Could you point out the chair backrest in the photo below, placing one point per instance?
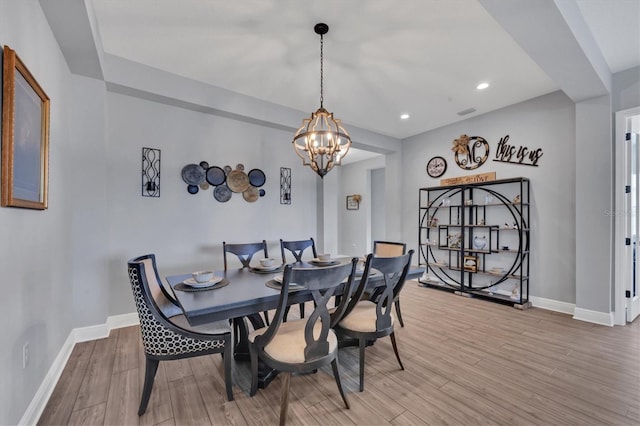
(394, 272)
(155, 327)
(244, 252)
(388, 249)
(322, 283)
(297, 248)
(166, 302)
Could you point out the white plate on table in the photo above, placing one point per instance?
(266, 268)
(195, 284)
(279, 278)
(319, 262)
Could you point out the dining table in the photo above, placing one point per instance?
(243, 294)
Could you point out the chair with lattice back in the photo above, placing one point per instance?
(391, 249)
(166, 333)
(297, 249)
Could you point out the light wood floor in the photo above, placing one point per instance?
(467, 362)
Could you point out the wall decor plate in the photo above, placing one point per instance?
(216, 176)
(222, 193)
(238, 181)
(227, 169)
(193, 174)
(262, 192)
(193, 189)
(204, 186)
(251, 194)
(257, 177)
(204, 165)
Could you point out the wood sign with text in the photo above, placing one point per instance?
(460, 180)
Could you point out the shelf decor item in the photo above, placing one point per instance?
(480, 243)
(25, 137)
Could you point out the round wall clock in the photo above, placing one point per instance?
(436, 166)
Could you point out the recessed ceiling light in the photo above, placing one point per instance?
(482, 86)
(404, 117)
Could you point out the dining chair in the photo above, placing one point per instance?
(367, 320)
(391, 249)
(297, 249)
(244, 252)
(303, 345)
(166, 333)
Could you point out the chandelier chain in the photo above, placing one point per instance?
(321, 70)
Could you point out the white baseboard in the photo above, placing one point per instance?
(77, 335)
(552, 305)
(602, 318)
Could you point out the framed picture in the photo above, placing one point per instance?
(25, 136)
(471, 263)
(353, 202)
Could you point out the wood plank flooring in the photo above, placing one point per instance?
(467, 362)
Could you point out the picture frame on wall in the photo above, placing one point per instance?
(25, 136)
(353, 202)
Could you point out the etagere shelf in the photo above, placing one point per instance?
(475, 239)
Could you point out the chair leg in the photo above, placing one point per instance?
(266, 317)
(362, 343)
(286, 313)
(228, 370)
(149, 375)
(336, 374)
(253, 354)
(395, 349)
(302, 310)
(284, 401)
(399, 313)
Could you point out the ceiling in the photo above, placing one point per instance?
(382, 58)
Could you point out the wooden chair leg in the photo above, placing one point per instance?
(149, 375)
(336, 374)
(399, 313)
(362, 343)
(302, 310)
(254, 370)
(284, 402)
(228, 369)
(395, 349)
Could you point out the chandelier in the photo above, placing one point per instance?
(321, 141)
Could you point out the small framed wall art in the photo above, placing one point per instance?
(353, 202)
(25, 136)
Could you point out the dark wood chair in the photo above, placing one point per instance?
(303, 345)
(244, 252)
(166, 334)
(391, 249)
(367, 320)
(297, 249)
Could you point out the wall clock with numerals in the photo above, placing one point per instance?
(436, 167)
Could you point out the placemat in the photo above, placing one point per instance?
(189, 289)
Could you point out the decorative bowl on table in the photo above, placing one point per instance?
(202, 276)
(324, 257)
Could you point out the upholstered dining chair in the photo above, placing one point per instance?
(391, 249)
(367, 320)
(166, 333)
(297, 249)
(244, 252)
(303, 345)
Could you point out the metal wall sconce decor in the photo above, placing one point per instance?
(150, 172)
(225, 181)
(285, 185)
(471, 152)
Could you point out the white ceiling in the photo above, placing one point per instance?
(382, 57)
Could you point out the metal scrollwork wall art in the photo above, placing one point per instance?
(470, 152)
(225, 181)
(150, 172)
(285, 185)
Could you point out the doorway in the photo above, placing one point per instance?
(627, 216)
